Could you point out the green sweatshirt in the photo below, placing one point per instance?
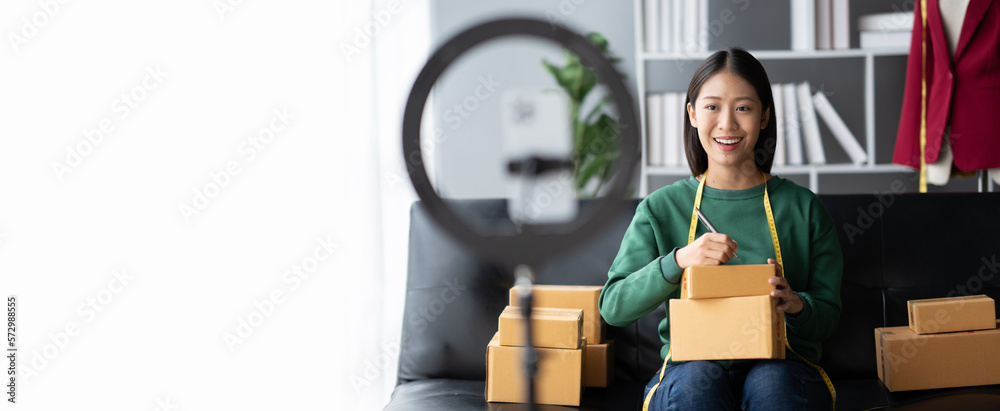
(645, 274)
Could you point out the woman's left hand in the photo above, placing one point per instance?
(788, 301)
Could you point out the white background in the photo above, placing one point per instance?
(330, 175)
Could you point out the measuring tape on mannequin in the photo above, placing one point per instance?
(923, 96)
(777, 255)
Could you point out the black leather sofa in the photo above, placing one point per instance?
(896, 248)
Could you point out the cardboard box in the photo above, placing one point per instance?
(726, 329)
(943, 315)
(559, 380)
(720, 281)
(599, 366)
(583, 297)
(550, 327)
(910, 361)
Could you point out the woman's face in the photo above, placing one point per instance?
(729, 116)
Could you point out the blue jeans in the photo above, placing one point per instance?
(764, 385)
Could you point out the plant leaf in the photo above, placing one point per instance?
(560, 75)
(598, 40)
(610, 130)
(606, 174)
(591, 133)
(553, 70)
(571, 57)
(576, 79)
(590, 168)
(584, 82)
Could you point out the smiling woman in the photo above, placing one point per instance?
(731, 95)
(728, 116)
(729, 139)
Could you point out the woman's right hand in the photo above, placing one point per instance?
(709, 249)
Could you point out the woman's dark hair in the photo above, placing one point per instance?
(741, 63)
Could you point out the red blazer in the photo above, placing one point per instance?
(963, 92)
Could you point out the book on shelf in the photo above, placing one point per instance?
(680, 158)
(820, 24)
(665, 129)
(803, 14)
(810, 127)
(839, 129)
(793, 130)
(651, 25)
(841, 22)
(670, 129)
(675, 26)
(654, 129)
(885, 30)
(779, 110)
(885, 39)
(666, 31)
(703, 27)
(824, 25)
(898, 21)
(691, 23)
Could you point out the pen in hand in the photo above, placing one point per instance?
(704, 220)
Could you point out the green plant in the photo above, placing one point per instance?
(595, 134)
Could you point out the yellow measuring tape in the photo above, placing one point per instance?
(777, 255)
(923, 97)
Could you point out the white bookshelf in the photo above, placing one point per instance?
(813, 171)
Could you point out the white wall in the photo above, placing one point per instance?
(222, 244)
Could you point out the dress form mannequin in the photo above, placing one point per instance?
(952, 16)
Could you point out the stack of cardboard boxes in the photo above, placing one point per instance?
(726, 313)
(950, 342)
(568, 333)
